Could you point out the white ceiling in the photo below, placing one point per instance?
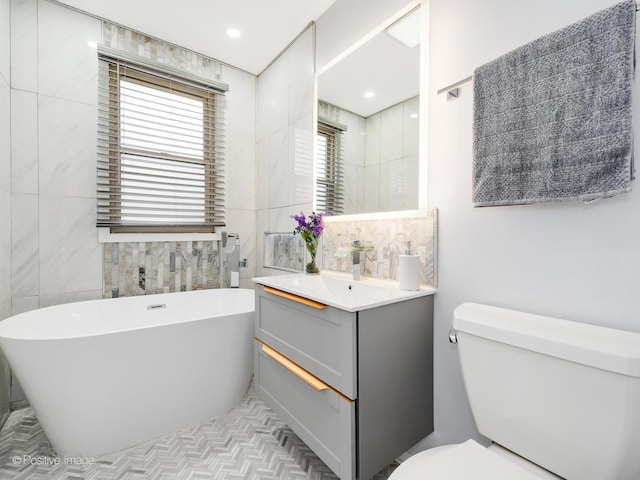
(267, 26)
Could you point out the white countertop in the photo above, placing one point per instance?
(341, 291)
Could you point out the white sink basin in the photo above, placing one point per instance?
(340, 291)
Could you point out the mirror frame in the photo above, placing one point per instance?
(424, 121)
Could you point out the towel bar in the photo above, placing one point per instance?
(454, 86)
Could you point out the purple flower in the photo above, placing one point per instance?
(312, 227)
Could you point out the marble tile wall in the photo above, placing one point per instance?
(5, 162)
(285, 139)
(145, 268)
(240, 195)
(389, 238)
(5, 41)
(55, 253)
(5, 196)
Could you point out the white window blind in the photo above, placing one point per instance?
(160, 150)
(329, 169)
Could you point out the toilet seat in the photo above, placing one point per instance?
(465, 461)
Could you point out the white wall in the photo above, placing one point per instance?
(570, 260)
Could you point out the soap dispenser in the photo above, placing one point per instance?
(409, 270)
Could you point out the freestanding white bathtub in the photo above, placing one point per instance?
(104, 375)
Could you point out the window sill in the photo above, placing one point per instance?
(105, 236)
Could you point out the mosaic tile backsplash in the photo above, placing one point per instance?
(146, 268)
(389, 238)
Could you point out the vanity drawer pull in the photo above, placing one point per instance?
(298, 371)
(295, 298)
(309, 378)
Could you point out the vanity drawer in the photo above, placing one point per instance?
(321, 340)
(321, 417)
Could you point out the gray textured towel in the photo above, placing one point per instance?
(552, 119)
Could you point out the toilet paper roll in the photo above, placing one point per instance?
(409, 272)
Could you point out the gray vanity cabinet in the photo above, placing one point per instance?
(356, 387)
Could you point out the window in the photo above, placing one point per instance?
(329, 168)
(160, 151)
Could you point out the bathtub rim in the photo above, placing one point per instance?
(10, 328)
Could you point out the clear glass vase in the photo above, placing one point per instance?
(312, 268)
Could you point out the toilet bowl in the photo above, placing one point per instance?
(545, 391)
(469, 460)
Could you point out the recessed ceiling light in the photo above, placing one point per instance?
(407, 29)
(92, 44)
(413, 115)
(233, 32)
(369, 94)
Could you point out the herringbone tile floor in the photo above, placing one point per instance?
(250, 443)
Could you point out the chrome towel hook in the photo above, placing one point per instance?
(453, 336)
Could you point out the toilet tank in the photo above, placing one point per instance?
(564, 395)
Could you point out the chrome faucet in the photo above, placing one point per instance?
(354, 251)
(231, 263)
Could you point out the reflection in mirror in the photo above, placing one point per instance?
(368, 125)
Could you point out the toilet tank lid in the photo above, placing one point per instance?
(600, 347)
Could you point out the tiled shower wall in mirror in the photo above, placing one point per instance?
(380, 156)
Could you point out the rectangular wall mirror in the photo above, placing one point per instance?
(367, 143)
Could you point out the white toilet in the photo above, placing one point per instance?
(559, 399)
